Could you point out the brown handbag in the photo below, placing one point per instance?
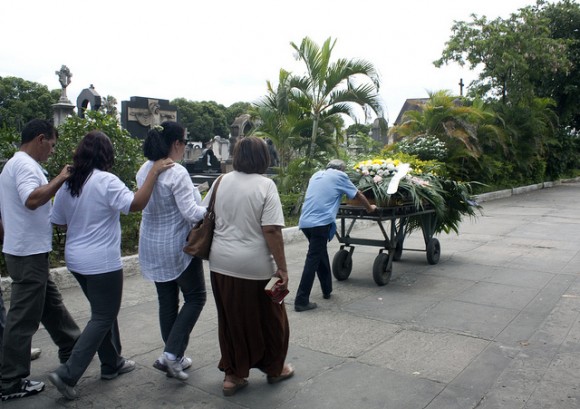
(201, 235)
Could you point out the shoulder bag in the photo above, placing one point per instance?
(201, 235)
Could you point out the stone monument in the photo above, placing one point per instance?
(379, 130)
(241, 126)
(141, 114)
(88, 97)
(63, 108)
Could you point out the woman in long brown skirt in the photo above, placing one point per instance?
(247, 250)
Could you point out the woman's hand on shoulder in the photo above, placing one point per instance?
(161, 165)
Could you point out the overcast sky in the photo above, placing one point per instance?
(225, 51)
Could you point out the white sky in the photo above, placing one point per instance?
(225, 51)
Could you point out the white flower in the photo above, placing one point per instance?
(377, 179)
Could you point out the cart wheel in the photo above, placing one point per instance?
(382, 269)
(398, 251)
(342, 265)
(433, 251)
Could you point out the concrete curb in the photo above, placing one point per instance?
(64, 279)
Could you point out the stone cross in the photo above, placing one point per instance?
(64, 76)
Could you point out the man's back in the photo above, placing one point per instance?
(325, 189)
(26, 231)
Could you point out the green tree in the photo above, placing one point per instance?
(564, 87)
(235, 110)
(332, 89)
(203, 120)
(459, 123)
(109, 106)
(513, 53)
(22, 101)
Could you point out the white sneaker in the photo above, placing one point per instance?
(161, 364)
(26, 388)
(175, 369)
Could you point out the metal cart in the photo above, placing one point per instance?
(402, 220)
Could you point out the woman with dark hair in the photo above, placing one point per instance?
(247, 249)
(88, 206)
(172, 210)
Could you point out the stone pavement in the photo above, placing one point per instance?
(495, 324)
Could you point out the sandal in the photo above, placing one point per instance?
(237, 384)
(283, 376)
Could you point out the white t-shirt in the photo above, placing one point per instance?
(244, 203)
(26, 232)
(93, 238)
(167, 219)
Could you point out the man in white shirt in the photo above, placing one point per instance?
(25, 205)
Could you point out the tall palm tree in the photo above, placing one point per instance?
(331, 89)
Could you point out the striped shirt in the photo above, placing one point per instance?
(167, 219)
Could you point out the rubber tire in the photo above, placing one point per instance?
(433, 251)
(342, 265)
(382, 269)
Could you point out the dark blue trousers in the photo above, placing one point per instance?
(317, 263)
(101, 335)
(176, 325)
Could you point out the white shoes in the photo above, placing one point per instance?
(173, 368)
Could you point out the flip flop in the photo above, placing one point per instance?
(230, 391)
(282, 377)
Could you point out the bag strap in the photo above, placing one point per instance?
(213, 193)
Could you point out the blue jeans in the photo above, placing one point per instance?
(316, 263)
(34, 299)
(176, 325)
(101, 335)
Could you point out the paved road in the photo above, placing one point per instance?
(495, 324)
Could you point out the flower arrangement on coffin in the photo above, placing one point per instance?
(421, 186)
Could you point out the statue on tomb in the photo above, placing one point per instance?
(64, 77)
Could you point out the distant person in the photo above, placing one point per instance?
(25, 205)
(173, 209)
(208, 156)
(247, 249)
(318, 223)
(88, 207)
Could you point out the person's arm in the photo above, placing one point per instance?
(275, 242)
(142, 195)
(42, 194)
(369, 207)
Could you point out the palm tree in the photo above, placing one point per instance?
(465, 128)
(331, 89)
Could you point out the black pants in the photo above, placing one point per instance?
(176, 325)
(34, 299)
(101, 335)
(317, 263)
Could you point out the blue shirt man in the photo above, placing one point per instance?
(317, 222)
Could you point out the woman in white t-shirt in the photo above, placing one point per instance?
(167, 220)
(89, 205)
(247, 249)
